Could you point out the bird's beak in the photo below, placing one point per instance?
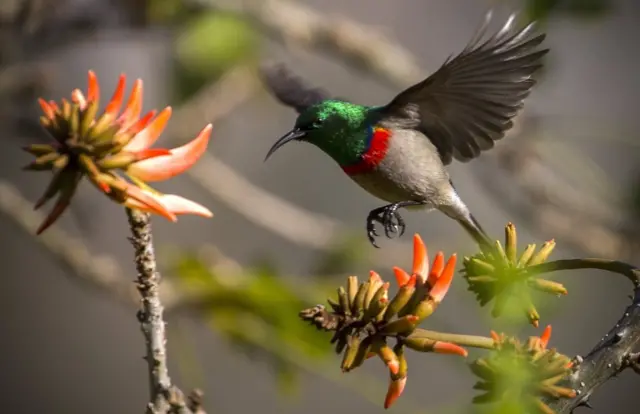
(294, 134)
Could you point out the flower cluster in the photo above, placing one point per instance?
(364, 319)
(96, 147)
(523, 373)
(503, 275)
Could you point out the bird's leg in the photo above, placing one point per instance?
(390, 219)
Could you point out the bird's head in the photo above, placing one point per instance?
(336, 127)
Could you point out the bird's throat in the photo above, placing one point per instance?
(375, 151)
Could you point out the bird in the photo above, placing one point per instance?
(399, 152)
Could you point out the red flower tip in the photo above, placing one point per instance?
(402, 277)
(495, 337)
(115, 102)
(46, 108)
(420, 258)
(412, 318)
(394, 366)
(436, 269)
(93, 88)
(546, 335)
(149, 134)
(374, 277)
(396, 387)
(140, 124)
(449, 348)
(133, 106)
(151, 153)
(442, 285)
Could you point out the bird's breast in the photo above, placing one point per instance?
(410, 170)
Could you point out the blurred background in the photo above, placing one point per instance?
(287, 232)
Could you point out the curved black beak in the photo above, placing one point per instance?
(290, 136)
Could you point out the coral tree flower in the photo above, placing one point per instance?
(364, 319)
(504, 276)
(96, 148)
(523, 373)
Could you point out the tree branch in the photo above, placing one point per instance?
(151, 314)
(606, 360)
(358, 45)
(165, 398)
(614, 352)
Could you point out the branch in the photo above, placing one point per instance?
(150, 316)
(164, 397)
(614, 352)
(358, 45)
(607, 359)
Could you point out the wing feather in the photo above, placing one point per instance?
(470, 101)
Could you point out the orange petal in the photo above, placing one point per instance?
(151, 153)
(149, 135)
(115, 102)
(396, 387)
(495, 336)
(443, 283)
(46, 108)
(449, 348)
(180, 160)
(436, 269)
(54, 106)
(146, 201)
(374, 276)
(133, 107)
(93, 88)
(180, 205)
(78, 98)
(141, 123)
(546, 335)
(402, 277)
(420, 258)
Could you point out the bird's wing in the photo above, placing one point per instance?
(469, 102)
(290, 89)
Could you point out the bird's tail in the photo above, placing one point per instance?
(476, 231)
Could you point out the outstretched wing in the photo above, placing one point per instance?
(470, 101)
(290, 89)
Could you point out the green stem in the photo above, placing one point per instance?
(463, 340)
(631, 272)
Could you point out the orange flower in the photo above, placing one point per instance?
(116, 140)
(438, 281)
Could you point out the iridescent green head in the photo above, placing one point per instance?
(338, 128)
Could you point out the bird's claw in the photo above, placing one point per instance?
(390, 219)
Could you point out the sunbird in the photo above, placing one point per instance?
(398, 152)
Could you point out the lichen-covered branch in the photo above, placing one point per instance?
(607, 359)
(151, 314)
(164, 397)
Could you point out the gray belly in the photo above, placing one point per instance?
(411, 170)
(381, 186)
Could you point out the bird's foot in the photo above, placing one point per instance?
(390, 219)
